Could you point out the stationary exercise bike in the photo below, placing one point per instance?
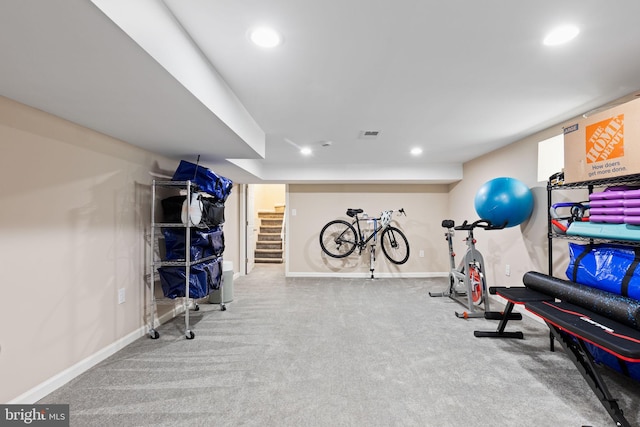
(467, 283)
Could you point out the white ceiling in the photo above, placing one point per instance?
(458, 78)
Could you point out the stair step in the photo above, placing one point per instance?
(270, 230)
(271, 215)
(269, 245)
(271, 222)
(268, 260)
(271, 237)
(268, 253)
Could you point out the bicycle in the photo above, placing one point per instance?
(339, 238)
(468, 278)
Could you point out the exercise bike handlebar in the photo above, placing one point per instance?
(481, 223)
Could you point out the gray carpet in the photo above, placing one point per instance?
(339, 352)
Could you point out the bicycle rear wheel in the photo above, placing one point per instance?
(395, 245)
(338, 239)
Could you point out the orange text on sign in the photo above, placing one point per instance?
(605, 139)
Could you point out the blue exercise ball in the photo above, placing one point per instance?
(504, 200)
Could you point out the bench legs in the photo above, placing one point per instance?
(574, 348)
(504, 318)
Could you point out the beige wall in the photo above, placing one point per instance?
(523, 247)
(75, 211)
(267, 196)
(315, 205)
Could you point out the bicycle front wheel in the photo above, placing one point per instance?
(476, 279)
(395, 245)
(338, 239)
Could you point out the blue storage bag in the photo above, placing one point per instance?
(611, 268)
(629, 369)
(204, 243)
(215, 238)
(203, 278)
(207, 180)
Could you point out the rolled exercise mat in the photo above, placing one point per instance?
(607, 211)
(622, 309)
(606, 203)
(632, 220)
(631, 211)
(632, 194)
(609, 219)
(607, 194)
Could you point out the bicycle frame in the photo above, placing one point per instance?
(361, 241)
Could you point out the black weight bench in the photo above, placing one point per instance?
(573, 326)
(514, 295)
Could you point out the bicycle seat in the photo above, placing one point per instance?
(353, 212)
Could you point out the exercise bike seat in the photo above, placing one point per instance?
(448, 223)
(353, 212)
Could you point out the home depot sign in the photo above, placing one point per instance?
(604, 145)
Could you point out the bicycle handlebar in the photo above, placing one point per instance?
(400, 212)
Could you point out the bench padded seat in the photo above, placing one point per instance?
(607, 334)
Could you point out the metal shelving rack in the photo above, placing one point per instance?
(155, 261)
(589, 185)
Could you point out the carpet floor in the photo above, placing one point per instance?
(339, 352)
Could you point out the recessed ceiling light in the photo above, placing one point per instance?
(416, 151)
(561, 35)
(265, 37)
(305, 151)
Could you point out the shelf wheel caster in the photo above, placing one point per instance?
(153, 334)
(223, 307)
(196, 308)
(190, 335)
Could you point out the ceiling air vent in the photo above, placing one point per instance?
(368, 134)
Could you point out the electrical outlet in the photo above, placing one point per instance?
(294, 212)
(421, 253)
(121, 296)
(507, 270)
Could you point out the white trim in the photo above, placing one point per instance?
(60, 379)
(367, 275)
(285, 241)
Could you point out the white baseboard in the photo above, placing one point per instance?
(367, 275)
(58, 380)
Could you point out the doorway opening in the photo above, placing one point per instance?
(266, 216)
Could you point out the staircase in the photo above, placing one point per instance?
(269, 247)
